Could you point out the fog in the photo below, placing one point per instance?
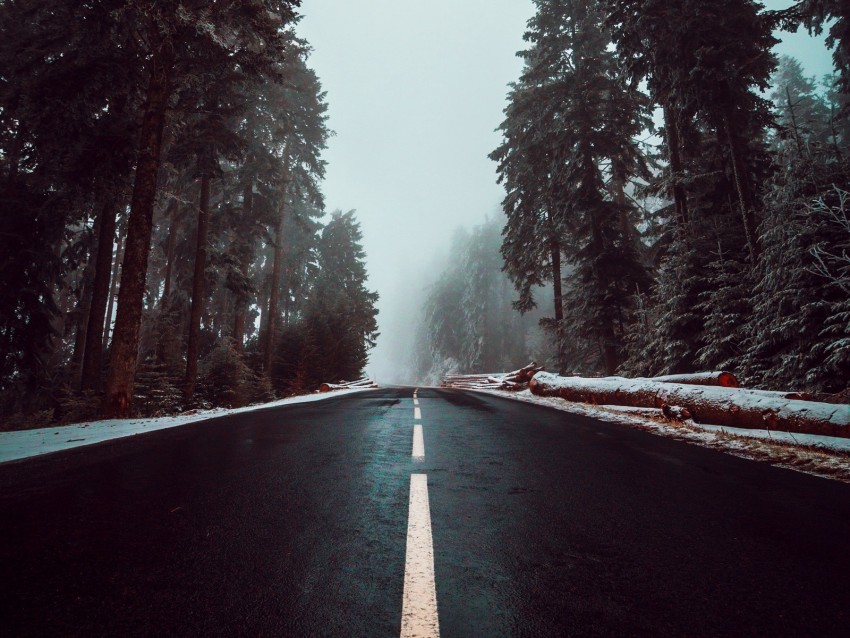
(415, 91)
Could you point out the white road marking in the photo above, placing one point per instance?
(418, 443)
(419, 607)
(417, 413)
(415, 401)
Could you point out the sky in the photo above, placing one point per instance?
(415, 90)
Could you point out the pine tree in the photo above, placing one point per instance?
(592, 118)
(179, 43)
(304, 133)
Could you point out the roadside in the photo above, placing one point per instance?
(824, 456)
(20, 444)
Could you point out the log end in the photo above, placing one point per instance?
(728, 380)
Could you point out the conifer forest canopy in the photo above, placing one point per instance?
(675, 198)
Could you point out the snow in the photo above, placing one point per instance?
(824, 456)
(26, 443)
(736, 404)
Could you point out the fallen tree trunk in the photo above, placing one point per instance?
(348, 385)
(732, 407)
(720, 378)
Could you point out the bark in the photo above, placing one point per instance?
(732, 407)
(121, 378)
(170, 248)
(113, 292)
(93, 355)
(618, 193)
(746, 200)
(277, 269)
(558, 294)
(674, 150)
(610, 355)
(198, 281)
(240, 309)
(83, 310)
(723, 379)
(794, 127)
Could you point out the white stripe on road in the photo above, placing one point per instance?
(415, 401)
(417, 413)
(419, 606)
(418, 443)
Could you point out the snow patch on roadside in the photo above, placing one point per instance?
(25, 443)
(824, 456)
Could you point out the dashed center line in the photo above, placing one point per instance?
(415, 401)
(417, 413)
(418, 443)
(419, 608)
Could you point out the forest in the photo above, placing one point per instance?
(163, 238)
(676, 199)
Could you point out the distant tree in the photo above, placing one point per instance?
(816, 14)
(803, 116)
(338, 325)
(468, 321)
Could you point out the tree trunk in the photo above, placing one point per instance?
(277, 269)
(746, 200)
(125, 340)
(170, 248)
(794, 126)
(198, 280)
(557, 286)
(274, 293)
(674, 150)
(240, 305)
(721, 378)
(93, 356)
(113, 292)
(732, 407)
(83, 309)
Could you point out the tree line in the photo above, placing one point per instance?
(161, 228)
(719, 238)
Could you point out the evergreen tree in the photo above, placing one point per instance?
(468, 321)
(178, 43)
(592, 119)
(803, 117)
(338, 326)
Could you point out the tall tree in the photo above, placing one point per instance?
(303, 133)
(177, 43)
(590, 119)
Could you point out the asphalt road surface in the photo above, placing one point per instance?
(295, 521)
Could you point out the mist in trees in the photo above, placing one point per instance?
(468, 320)
(161, 218)
(717, 239)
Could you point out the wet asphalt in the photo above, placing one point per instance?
(292, 521)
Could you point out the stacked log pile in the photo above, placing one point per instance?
(716, 403)
(512, 381)
(348, 385)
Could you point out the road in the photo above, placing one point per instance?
(293, 521)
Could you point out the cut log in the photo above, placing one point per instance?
(513, 381)
(723, 379)
(348, 385)
(732, 407)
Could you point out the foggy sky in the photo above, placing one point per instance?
(416, 89)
